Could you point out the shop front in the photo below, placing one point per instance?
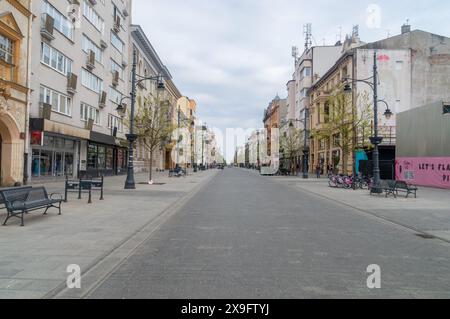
(105, 156)
(53, 156)
(55, 150)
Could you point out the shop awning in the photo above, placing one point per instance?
(102, 138)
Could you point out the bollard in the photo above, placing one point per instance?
(79, 189)
(65, 190)
(101, 190)
(90, 193)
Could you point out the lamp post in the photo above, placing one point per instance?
(258, 158)
(306, 146)
(375, 140)
(131, 137)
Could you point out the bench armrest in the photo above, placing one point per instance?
(57, 195)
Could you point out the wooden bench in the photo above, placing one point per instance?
(21, 202)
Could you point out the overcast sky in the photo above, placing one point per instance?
(234, 56)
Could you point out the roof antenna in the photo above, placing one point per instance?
(307, 32)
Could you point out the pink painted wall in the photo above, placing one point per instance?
(424, 171)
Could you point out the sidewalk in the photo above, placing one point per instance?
(34, 258)
(428, 214)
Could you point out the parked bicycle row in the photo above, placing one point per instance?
(349, 182)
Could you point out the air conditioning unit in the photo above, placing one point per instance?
(47, 27)
(116, 26)
(102, 101)
(90, 61)
(89, 124)
(116, 77)
(72, 80)
(74, 2)
(93, 2)
(125, 12)
(46, 111)
(103, 44)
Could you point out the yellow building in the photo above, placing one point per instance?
(15, 21)
(185, 119)
(326, 152)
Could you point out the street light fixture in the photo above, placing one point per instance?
(131, 137)
(375, 140)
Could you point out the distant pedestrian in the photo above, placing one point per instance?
(318, 169)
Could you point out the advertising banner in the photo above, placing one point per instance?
(424, 171)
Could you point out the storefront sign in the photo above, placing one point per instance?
(37, 138)
(424, 171)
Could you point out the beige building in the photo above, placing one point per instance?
(15, 25)
(150, 65)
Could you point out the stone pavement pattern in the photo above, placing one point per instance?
(34, 258)
(247, 236)
(429, 213)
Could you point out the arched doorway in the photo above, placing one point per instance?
(11, 151)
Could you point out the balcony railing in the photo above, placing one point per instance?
(389, 135)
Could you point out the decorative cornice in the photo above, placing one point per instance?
(19, 6)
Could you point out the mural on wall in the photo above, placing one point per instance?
(424, 171)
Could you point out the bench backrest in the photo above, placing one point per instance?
(391, 183)
(15, 189)
(12, 195)
(401, 185)
(35, 194)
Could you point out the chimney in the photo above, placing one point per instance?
(406, 28)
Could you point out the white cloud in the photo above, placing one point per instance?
(233, 56)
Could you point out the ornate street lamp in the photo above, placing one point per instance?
(131, 137)
(375, 140)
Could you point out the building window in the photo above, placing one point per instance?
(88, 112)
(306, 72)
(116, 67)
(62, 24)
(91, 81)
(55, 59)
(114, 121)
(116, 42)
(88, 44)
(118, 13)
(93, 17)
(6, 49)
(446, 109)
(114, 95)
(60, 103)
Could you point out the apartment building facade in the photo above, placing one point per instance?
(394, 89)
(15, 26)
(272, 124)
(80, 76)
(149, 64)
(309, 67)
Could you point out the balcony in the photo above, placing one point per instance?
(389, 135)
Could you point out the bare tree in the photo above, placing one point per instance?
(347, 126)
(153, 125)
(292, 145)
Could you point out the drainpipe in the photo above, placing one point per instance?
(28, 104)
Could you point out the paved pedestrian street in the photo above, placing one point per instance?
(231, 234)
(246, 236)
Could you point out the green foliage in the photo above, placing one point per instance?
(346, 127)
